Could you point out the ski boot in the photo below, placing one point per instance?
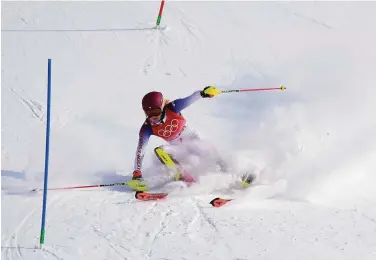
(137, 175)
(247, 179)
(137, 183)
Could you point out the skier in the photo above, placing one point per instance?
(164, 119)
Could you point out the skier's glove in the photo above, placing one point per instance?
(209, 92)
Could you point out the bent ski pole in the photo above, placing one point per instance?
(282, 87)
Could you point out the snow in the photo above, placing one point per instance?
(313, 146)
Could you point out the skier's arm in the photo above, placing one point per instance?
(143, 140)
(179, 104)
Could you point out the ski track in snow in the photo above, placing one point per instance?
(33, 106)
(190, 42)
(152, 237)
(14, 248)
(12, 244)
(206, 219)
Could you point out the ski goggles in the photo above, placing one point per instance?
(153, 112)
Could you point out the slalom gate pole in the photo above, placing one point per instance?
(253, 89)
(160, 13)
(42, 230)
(85, 186)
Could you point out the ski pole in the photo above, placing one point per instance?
(84, 187)
(282, 87)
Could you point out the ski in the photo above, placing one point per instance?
(145, 196)
(150, 196)
(246, 182)
(218, 202)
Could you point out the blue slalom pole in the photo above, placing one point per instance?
(42, 230)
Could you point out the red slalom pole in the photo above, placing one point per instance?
(160, 12)
(253, 89)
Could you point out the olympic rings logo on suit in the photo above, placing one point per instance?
(169, 129)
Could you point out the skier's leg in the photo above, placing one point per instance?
(198, 146)
(172, 164)
(206, 149)
(168, 161)
(247, 179)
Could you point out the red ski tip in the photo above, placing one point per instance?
(218, 202)
(142, 195)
